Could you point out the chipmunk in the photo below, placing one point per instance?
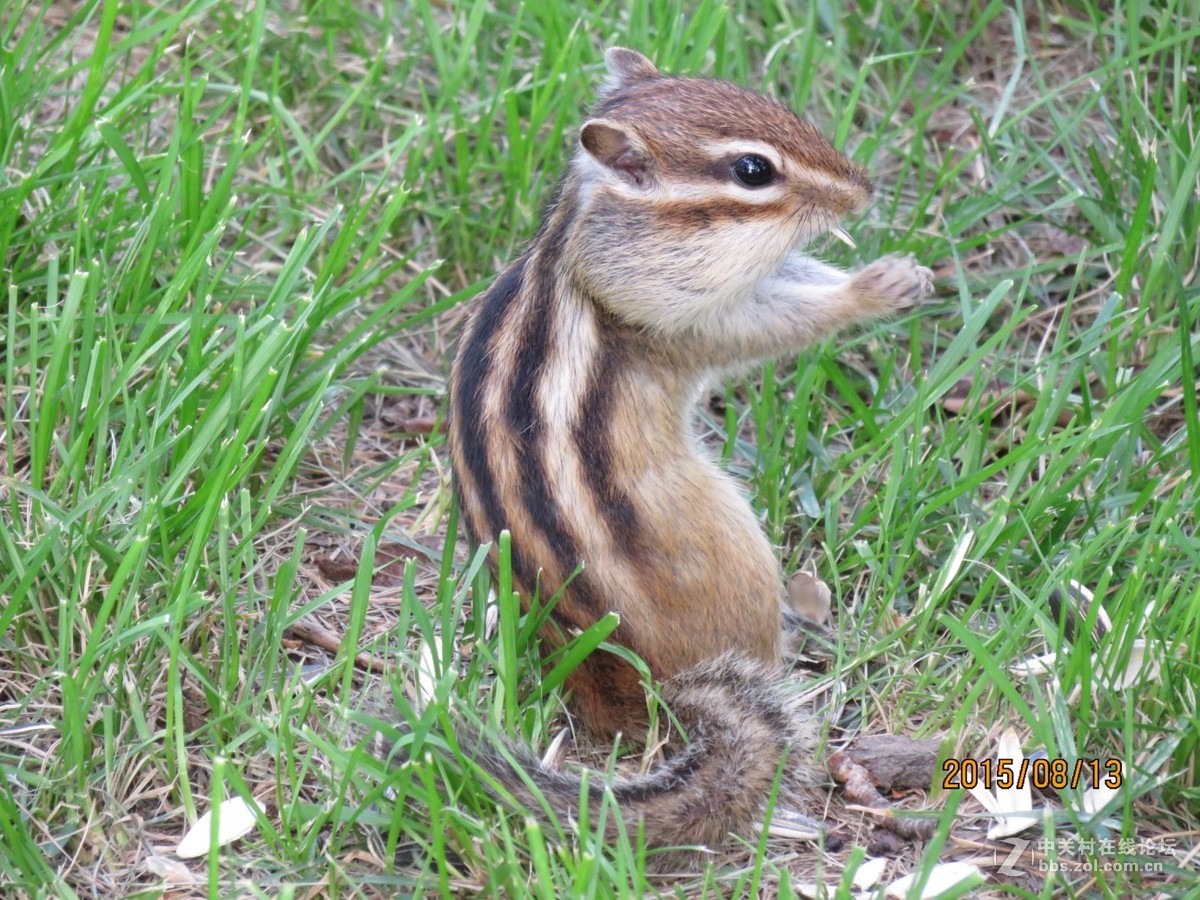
(668, 257)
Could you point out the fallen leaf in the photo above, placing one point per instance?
(1002, 398)
(1046, 241)
(421, 425)
(336, 567)
(391, 558)
(364, 856)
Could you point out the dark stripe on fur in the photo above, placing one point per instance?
(677, 772)
(593, 440)
(754, 688)
(528, 427)
(694, 215)
(741, 725)
(473, 368)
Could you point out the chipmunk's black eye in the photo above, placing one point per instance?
(753, 170)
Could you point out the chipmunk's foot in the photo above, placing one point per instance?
(893, 284)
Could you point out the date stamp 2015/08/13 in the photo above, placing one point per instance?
(1041, 773)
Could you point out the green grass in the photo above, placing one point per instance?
(235, 245)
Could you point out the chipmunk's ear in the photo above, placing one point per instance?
(625, 67)
(618, 149)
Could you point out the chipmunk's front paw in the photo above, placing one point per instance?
(893, 284)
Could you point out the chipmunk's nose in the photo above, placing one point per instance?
(858, 177)
(857, 191)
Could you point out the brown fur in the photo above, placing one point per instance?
(571, 426)
(743, 725)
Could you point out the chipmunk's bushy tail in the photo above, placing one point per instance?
(741, 722)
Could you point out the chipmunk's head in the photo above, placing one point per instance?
(692, 191)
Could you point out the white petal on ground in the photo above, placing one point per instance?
(426, 676)
(985, 797)
(1013, 807)
(1097, 796)
(1103, 622)
(554, 756)
(173, 873)
(491, 616)
(868, 874)
(1017, 798)
(791, 825)
(949, 571)
(815, 891)
(1142, 664)
(1035, 665)
(237, 818)
(959, 877)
